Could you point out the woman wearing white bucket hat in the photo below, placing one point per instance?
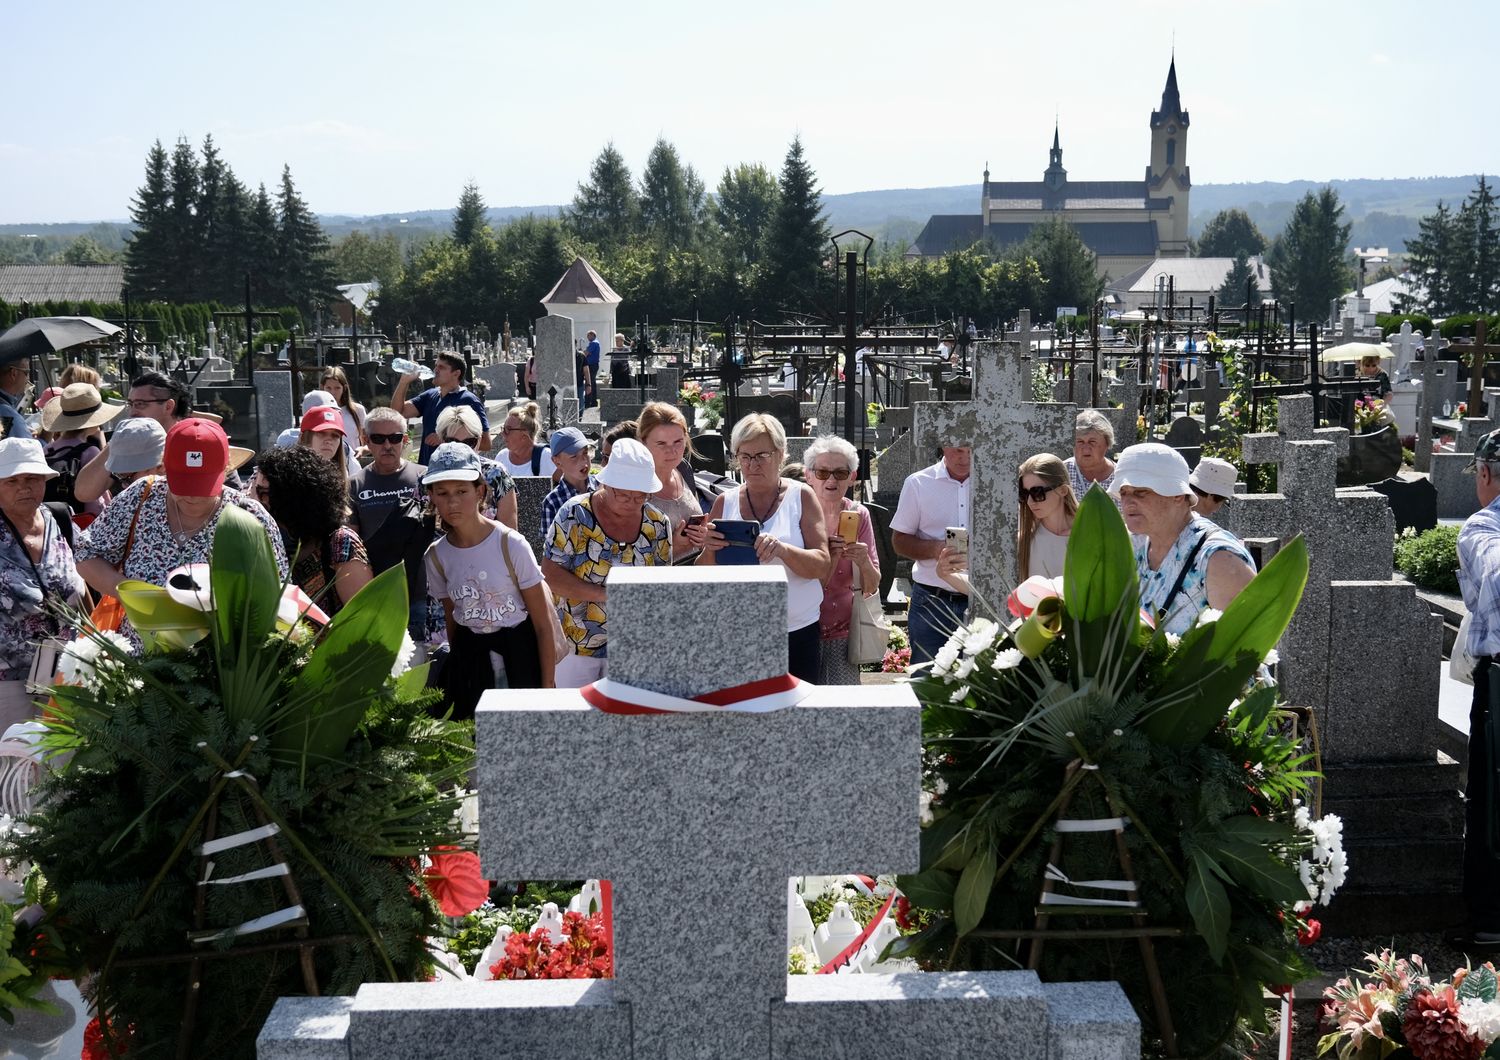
(1186, 563)
(1213, 482)
(36, 565)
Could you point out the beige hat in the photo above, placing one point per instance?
(78, 406)
(1214, 477)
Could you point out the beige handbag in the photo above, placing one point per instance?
(869, 631)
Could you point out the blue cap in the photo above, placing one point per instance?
(453, 462)
(568, 440)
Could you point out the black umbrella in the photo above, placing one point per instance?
(42, 335)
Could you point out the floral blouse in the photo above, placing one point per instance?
(308, 570)
(1192, 599)
(24, 621)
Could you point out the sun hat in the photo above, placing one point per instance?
(196, 454)
(1487, 451)
(323, 418)
(630, 468)
(137, 445)
(315, 399)
(1214, 477)
(1152, 466)
(239, 456)
(47, 395)
(78, 406)
(453, 462)
(566, 441)
(23, 456)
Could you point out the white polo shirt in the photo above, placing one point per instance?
(931, 501)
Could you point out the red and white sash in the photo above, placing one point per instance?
(756, 697)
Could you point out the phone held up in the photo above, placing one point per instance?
(958, 539)
(849, 526)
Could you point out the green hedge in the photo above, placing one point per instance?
(1390, 323)
(1461, 324)
(1430, 558)
(162, 319)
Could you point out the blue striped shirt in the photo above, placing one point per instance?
(1479, 578)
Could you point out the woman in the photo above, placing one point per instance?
(830, 464)
(595, 532)
(458, 423)
(75, 421)
(792, 532)
(335, 382)
(623, 429)
(1213, 481)
(1377, 384)
(322, 431)
(309, 499)
(489, 585)
(1186, 563)
(523, 454)
(663, 430)
(156, 526)
(1047, 510)
(36, 566)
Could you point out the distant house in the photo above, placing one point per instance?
(61, 283)
(1126, 223)
(1384, 295)
(1193, 280)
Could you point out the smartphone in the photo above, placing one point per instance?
(849, 527)
(958, 539)
(694, 520)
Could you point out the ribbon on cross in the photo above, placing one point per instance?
(755, 697)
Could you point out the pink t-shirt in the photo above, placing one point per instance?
(838, 591)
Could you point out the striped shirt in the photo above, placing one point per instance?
(1479, 578)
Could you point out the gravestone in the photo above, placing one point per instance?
(1405, 347)
(1211, 392)
(1455, 489)
(668, 386)
(531, 491)
(273, 403)
(671, 809)
(1429, 404)
(499, 380)
(1127, 391)
(557, 365)
(1002, 429)
(617, 405)
(1077, 389)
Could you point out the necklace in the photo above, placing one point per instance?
(775, 501)
(181, 533)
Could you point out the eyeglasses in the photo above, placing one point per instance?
(823, 474)
(387, 439)
(470, 442)
(747, 459)
(1035, 494)
(137, 404)
(512, 430)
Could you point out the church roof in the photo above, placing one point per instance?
(947, 231)
(1188, 274)
(61, 283)
(1073, 189)
(581, 285)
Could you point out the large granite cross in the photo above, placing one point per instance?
(557, 364)
(1211, 392)
(1127, 391)
(1003, 428)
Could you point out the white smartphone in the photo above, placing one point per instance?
(958, 539)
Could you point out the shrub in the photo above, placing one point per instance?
(1390, 323)
(1430, 558)
(1460, 325)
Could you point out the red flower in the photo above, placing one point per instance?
(1310, 934)
(1433, 1030)
(453, 879)
(93, 1042)
(582, 954)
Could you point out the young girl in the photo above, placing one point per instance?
(490, 586)
(337, 383)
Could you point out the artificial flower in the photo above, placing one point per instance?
(1434, 1029)
(452, 878)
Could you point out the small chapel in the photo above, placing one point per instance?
(1126, 223)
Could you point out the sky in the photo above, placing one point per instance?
(384, 106)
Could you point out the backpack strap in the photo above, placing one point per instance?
(62, 515)
(536, 459)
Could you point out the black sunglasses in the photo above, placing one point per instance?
(823, 474)
(1035, 493)
(387, 439)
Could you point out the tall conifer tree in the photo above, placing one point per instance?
(606, 210)
(1308, 261)
(182, 224)
(470, 217)
(797, 239)
(147, 250)
(303, 265)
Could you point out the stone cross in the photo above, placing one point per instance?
(1127, 391)
(1002, 428)
(1211, 392)
(1428, 405)
(1479, 350)
(557, 364)
(1404, 346)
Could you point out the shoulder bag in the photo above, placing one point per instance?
(108, 613)
(869, 630)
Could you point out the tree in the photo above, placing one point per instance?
(303, 267)
(182, 225)
(228, 246)
(1479, 287)
(147, 252)
(742, 210)
(359, 257)
(470, 217)
(1432, 264)
(1070, 268)
(797, 239)
(1307, 261)
(667, 208)
(261, 241)
(605, 211)
(86, 251)
(1229, 233)
(1240, 283)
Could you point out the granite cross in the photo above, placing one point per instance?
(557, 364)
(1211, 392)
(1404, 345)
(1002, 428)
(1428, 403)
(1127, 391)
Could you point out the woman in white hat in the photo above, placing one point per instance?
(1213, 481)
(1186, 563)
(73, 420)
(36, 565)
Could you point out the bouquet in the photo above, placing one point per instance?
(1401, 1007)
(1371, 414)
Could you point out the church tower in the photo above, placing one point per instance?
(1055, 180)
(1167, 176)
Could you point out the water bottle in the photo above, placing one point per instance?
(406, 366)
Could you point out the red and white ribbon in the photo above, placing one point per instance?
(756, 697)
(851, 951)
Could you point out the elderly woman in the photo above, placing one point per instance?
(522, 453)
(36, 566)
(156, 526)
(663, 430)
(829, 466)
(309, 499)
(1213, 482)
(459, 423)
(792, 533)
(1047, 510)
(1093, 438)
(1186, 563)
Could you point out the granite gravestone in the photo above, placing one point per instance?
(531, 491)
(1127, 391)
(273, 406)
(557, 365)
(1455, 488)
(1211, 392)
(617, 405)
(672, 807)
(1429, 404)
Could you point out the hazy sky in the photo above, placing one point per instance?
(382, 106)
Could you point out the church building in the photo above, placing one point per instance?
(1126, 223)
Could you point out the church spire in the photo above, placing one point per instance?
(1056, 176)
(1171, 102)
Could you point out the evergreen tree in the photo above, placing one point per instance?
(605, 211)
(667, 213)
(1070, 268)
(1240, 285)
(1228, 234)
(1431, 262)
(1480, 237)
(471, 216)
(228, 246)
(209, 218)
(260, 251)
(182, 225)
(797, 239)
(548, 260)
(303, 267)
(147, 251)
(1308, 262)
(742, 211)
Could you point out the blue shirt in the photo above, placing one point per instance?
(593, 358)
(1479, 578)
(430, 404)
(561, 494)
(10, 416)
(1192, 599)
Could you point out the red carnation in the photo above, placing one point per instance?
(1310, 934)
(93, 1042)
(1434, 1031)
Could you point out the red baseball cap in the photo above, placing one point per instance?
(323, 418)
(195, 456)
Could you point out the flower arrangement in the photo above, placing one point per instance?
(308, 756)
(1371, 414)
(1078, 706)
(1462, 410)
(873, 413)
(1401, 1007)
(583, 952)
(897, 653)
(709, 402)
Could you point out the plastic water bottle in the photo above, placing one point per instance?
(406, 366)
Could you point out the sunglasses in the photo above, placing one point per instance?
(387, 439)
(1036, 494)
(823, 474)
(470, 442)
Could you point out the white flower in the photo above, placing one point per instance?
(1273, 656)
(1482, 1018)
(1209, 614)
(981, 634)
(84, 657)
(404, 655)
(959, 694)
(924, 808)
(1173, 640)
(946, 656)
(1008, 659)
(965, 667)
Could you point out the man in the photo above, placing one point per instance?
(1479, 578)
(386, 511)
(1093, 438)
(447, 390)
(571, 458)
(153, 396)
(591, 363)
(15, 377)
(932, 500)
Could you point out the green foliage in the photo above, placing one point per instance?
(1455, 257)
(469, 217)
(1461, 325)
(1390, 323)
(671, 198)
(1067, 262)
(1239, 416)
(1240, 286)
(797, 239)
(1307, 260)
(1430, 559)
(1230, 234)
(360, 257)
(742, 209)
(606, 209)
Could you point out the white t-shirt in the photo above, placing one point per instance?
(523, 469)
(351, 425)
(477, 579)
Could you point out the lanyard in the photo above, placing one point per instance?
(21, 544)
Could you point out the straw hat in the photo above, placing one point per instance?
(78, 406)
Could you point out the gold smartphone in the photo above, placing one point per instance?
(849, 527)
